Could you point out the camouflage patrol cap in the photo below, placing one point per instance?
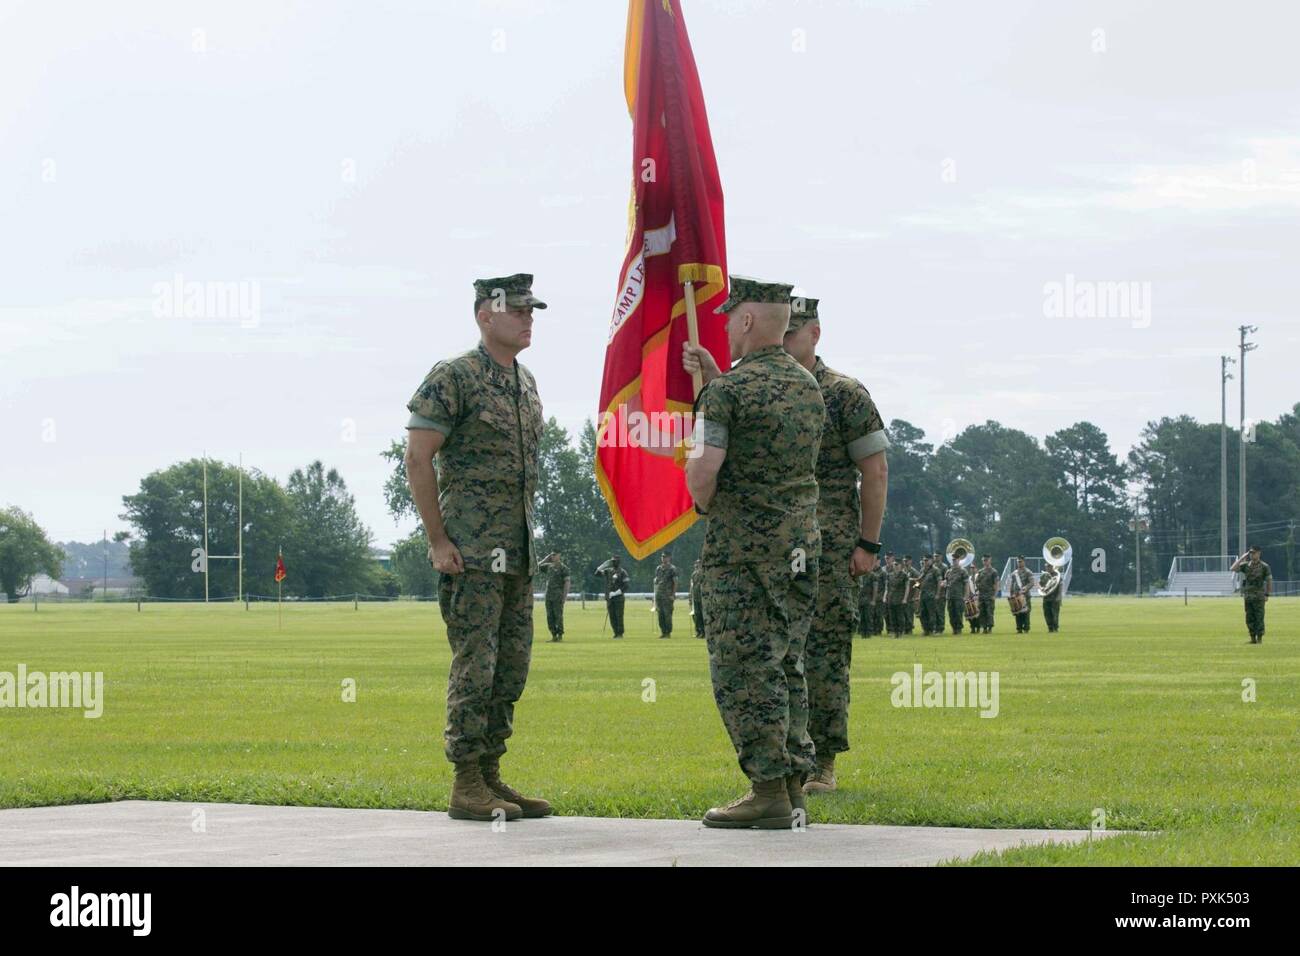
(802, 311)
(516, 289)
(746, 289)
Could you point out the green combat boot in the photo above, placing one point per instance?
(532, 807)
(472, 800)
(823, 781)
(766, 807)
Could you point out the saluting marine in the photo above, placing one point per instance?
(1256, 586)
(557, 590)
(480, 415)
(617, 582)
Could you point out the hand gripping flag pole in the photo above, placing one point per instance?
(673, 275)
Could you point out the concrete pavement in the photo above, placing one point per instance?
(153, 833)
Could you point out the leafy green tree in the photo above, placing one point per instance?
(25, 552)
(330, 547)
(410, 563)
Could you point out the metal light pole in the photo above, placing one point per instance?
(1224, 375)
(1241, 490)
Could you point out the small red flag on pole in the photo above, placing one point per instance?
(279, 584)
(674, 273)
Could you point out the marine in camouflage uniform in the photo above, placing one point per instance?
(909, 605)
(956, 580)
(897, 577)
(1052, 601)
(931, 615)
(617, 582)
(697, 599)
(665, 594)
(1022, 582)
(557, 590)
(986, 588)
(854, 433)
(1256, 586)
(866, 604)
(760, 425)
(881, 580)
(488, 418)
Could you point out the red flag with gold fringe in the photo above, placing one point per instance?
(675, 247)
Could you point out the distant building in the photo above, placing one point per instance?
(383, 557)
(95, 587)
(44, 584)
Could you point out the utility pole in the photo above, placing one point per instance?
(106, 564)
(1241, 491)
(1224, 375)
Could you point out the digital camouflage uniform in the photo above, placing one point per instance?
(557, 589)
(881, 584)
(1254, 590)
(931, 614)
(854, 431)
(955, 581)
(1051, 602)
(1022, 581)
(866, 605)
(986, 588)
(910, 605)
(697, 599)
(487, 474)
(617, 582)
(665, 596)
(896, 587)
(761, 552)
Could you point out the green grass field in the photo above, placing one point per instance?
(1135, 708)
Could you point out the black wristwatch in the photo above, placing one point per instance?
(871, 547)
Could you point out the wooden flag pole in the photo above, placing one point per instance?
(693, 330)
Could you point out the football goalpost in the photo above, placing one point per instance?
(202, 553)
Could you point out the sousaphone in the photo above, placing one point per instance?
(1058, 554)
(961, 553)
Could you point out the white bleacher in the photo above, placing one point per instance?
(1200, 576)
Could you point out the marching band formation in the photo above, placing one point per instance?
(895, 594)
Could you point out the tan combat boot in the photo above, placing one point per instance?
(766, 807)
(532, 807)
(794, 790)
(823, 781)
(472, 800)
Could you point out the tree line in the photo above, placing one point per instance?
(997, 486)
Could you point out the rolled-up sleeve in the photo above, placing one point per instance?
(714, 413)
(436, 403)
(863, 427)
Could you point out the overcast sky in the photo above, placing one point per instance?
(927, 169)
